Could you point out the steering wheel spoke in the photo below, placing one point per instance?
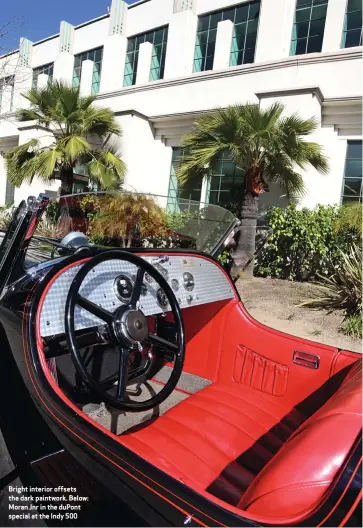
(94, 309)
(127, 329)
(162, 343)
(136, 292)
(122, 373)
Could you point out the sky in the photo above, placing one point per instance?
(38, 19)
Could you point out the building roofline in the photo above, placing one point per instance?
(313, 90)
(56, 35)
(135, 4)
(83, 24)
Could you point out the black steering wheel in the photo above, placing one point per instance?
(127, 328)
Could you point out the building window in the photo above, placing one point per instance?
(245, 18)
(94, 55)
(47, 69)
(224, 182)
(352, 185)
(190, 191)
(158, 38)
(352, 33)
(6, 92)
(309, 24)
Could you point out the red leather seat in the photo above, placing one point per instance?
(247, 448)
(297, 478)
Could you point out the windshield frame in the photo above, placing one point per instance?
(204, 226)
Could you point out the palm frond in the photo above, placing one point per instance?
(297, 126)
(17, 161)
(107, 168)
(99, 122)
(45, 163)
(74, 122)
(309, 153)
(73, 147)
(262, 139)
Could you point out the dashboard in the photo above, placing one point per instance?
(193, 279)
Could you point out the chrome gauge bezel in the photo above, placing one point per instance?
(158, 292)
(187, 277)
(117, 280)
(175, 284)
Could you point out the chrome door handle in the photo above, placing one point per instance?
(306, 360)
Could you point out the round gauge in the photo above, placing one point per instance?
(161, 298)
(123, 287)
(188, 281)
(175, 284)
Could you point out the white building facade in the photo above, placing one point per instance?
(159, 64)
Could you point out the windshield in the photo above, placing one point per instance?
(131, 220)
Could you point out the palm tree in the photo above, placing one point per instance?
(75, 125)
(266, 145)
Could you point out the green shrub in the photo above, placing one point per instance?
(350, 217)
(304, 243)
(343, 289)
(226, 260)
(352, 326)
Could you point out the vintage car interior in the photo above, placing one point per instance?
(156, 349)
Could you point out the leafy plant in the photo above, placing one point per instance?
(343, 289)
(74, 126)
(6, 214)
(303, 244)
(225, 259)
(350, 218)
(48, 228)
(264, 143)
(178, 220)
(352, 326)
(125, 218)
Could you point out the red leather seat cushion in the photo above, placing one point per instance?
(200, 441)
(229, 439)
(295, 480)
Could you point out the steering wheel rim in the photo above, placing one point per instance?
(119, 336)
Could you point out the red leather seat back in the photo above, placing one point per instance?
(299, 475)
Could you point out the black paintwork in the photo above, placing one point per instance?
(50, 444)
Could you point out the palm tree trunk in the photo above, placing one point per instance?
(243, 255)
(66, 178)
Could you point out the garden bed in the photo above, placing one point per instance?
(274, 302)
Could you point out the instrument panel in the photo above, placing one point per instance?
(193, 279)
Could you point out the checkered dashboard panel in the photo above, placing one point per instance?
(209, 284)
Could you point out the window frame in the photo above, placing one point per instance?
(135, 53)
(3, 83)
(205, 182)
(98, 83)
(342, 195)
(237, 51)
(294, 41)
(346, 31)
(41, 69)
